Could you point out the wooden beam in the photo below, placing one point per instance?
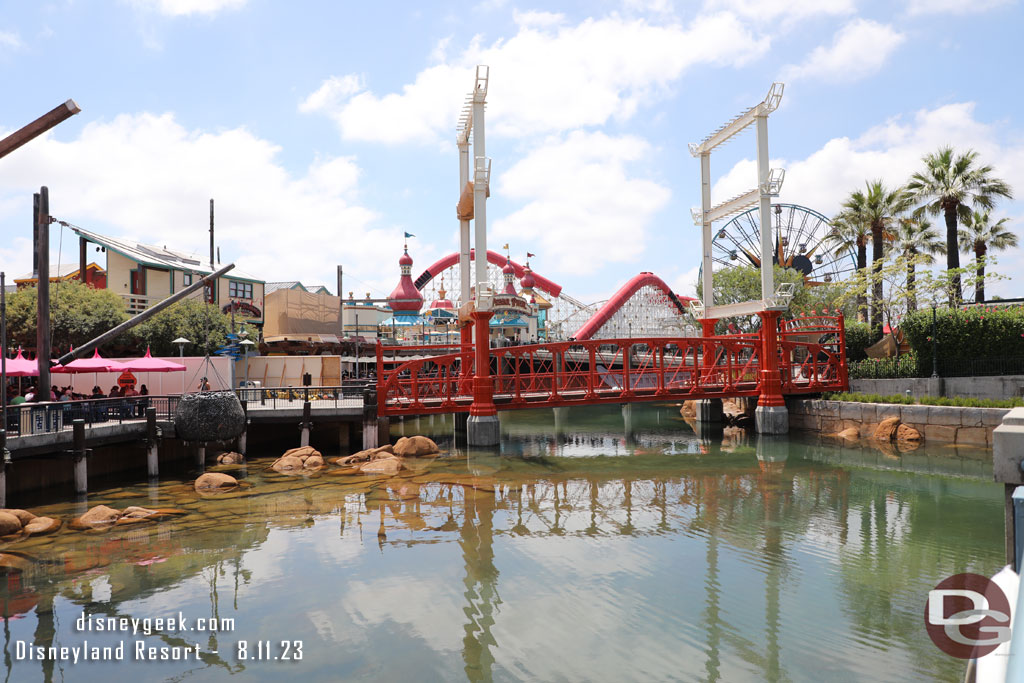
(38, 127)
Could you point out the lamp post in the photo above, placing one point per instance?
(935, 348)
(246, 343)
(181, 341)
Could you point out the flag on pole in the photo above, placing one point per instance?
(408, 235)
(505, 247)
(529, 255)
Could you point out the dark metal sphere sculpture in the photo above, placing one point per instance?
(209, 416)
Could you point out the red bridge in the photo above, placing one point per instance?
(809, 357)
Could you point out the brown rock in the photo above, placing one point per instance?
(14, 563)
(887, 429)
(42, 525)
(689, 409)
(287, 463)
(9, 524)
(101, 514)
(849, 434)
(215, 480)
(382, 466)
(302, 452)
(907, 434)
(136, 512)
(415, 446)
(24, 516)
(313, 462)
(231, 458)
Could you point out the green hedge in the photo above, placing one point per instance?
(905, 365)
(977, 332)
(925, 400)
(858, 338)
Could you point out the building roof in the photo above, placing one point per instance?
(270, 287)
(159, 257)
(59, 270)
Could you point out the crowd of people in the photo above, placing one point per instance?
(63, 394)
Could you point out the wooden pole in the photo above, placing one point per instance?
(78, 454)
(42, 219)
(82, 244)
(152, 454)
(38, 127)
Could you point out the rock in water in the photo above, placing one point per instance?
(101, 514)
(231, 458)
(212, 481)
(9, 524)
(42, 525)
(209, 416)
(415, 446)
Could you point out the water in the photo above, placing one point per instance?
(597, 546)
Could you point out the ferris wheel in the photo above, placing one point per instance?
(801, 239)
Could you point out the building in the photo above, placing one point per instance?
(63, 272)
(144, 275)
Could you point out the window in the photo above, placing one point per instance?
(186, 279)
(239, 290)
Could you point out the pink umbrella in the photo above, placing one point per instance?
(96, 364)
(149, 364)
(19, 366)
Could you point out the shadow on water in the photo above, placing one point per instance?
(586, 538)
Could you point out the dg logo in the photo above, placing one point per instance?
(967, 616)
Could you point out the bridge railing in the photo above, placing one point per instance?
(813, 349)
(56, 416)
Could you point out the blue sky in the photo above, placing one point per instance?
(324, 130)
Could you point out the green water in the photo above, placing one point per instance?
(595, 546)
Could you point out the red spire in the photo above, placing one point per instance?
(509, 273)
(405, 298)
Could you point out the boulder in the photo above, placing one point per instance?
(849, 434)
(415, 446)
(9, 524)
(42, 525)
(689, 409)
(24, 516)
(101, 514)
(313, 462)
(209, 416)
(302, 452)
(136, 512)
(886, 429)
(231, 458)
(907, 434)
(287, 463)
(366, 455)
(389, 466)
(215, 480)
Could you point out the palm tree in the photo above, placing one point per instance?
(948, 184)
(979, 235)
(876, 208)
(916, 240)
(848, 234)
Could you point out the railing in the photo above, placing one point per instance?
(137, 303)
(52, 417)
(911, 365)
(318, 396)
(811, 360)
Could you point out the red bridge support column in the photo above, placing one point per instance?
(482, 428)
(709, 410)
(771, 416)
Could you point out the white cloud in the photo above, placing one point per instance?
(915, 7)
(792, 10)
(332, 93)
(580, 200)
(146, 177)
(178, 8)
(859, 49)
(548, 77)
(10, 40)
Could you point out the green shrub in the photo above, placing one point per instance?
(974, 333)
(858, 338)
(885, 368)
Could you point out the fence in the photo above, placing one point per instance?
(48, 418)
(318, 396)
(909, 365)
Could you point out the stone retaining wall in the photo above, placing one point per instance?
(1000, 387)
(945, 424)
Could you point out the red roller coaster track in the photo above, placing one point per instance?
(619, 299)
(492, 257)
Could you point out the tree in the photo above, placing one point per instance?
(202, 324)
(743, 283)
(848, 234)
(979, 235)
(78, 313)
(947, 185)
(916, 237)
(876, 209)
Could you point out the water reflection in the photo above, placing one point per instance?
(589, 538)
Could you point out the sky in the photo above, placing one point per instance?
(326, 130)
